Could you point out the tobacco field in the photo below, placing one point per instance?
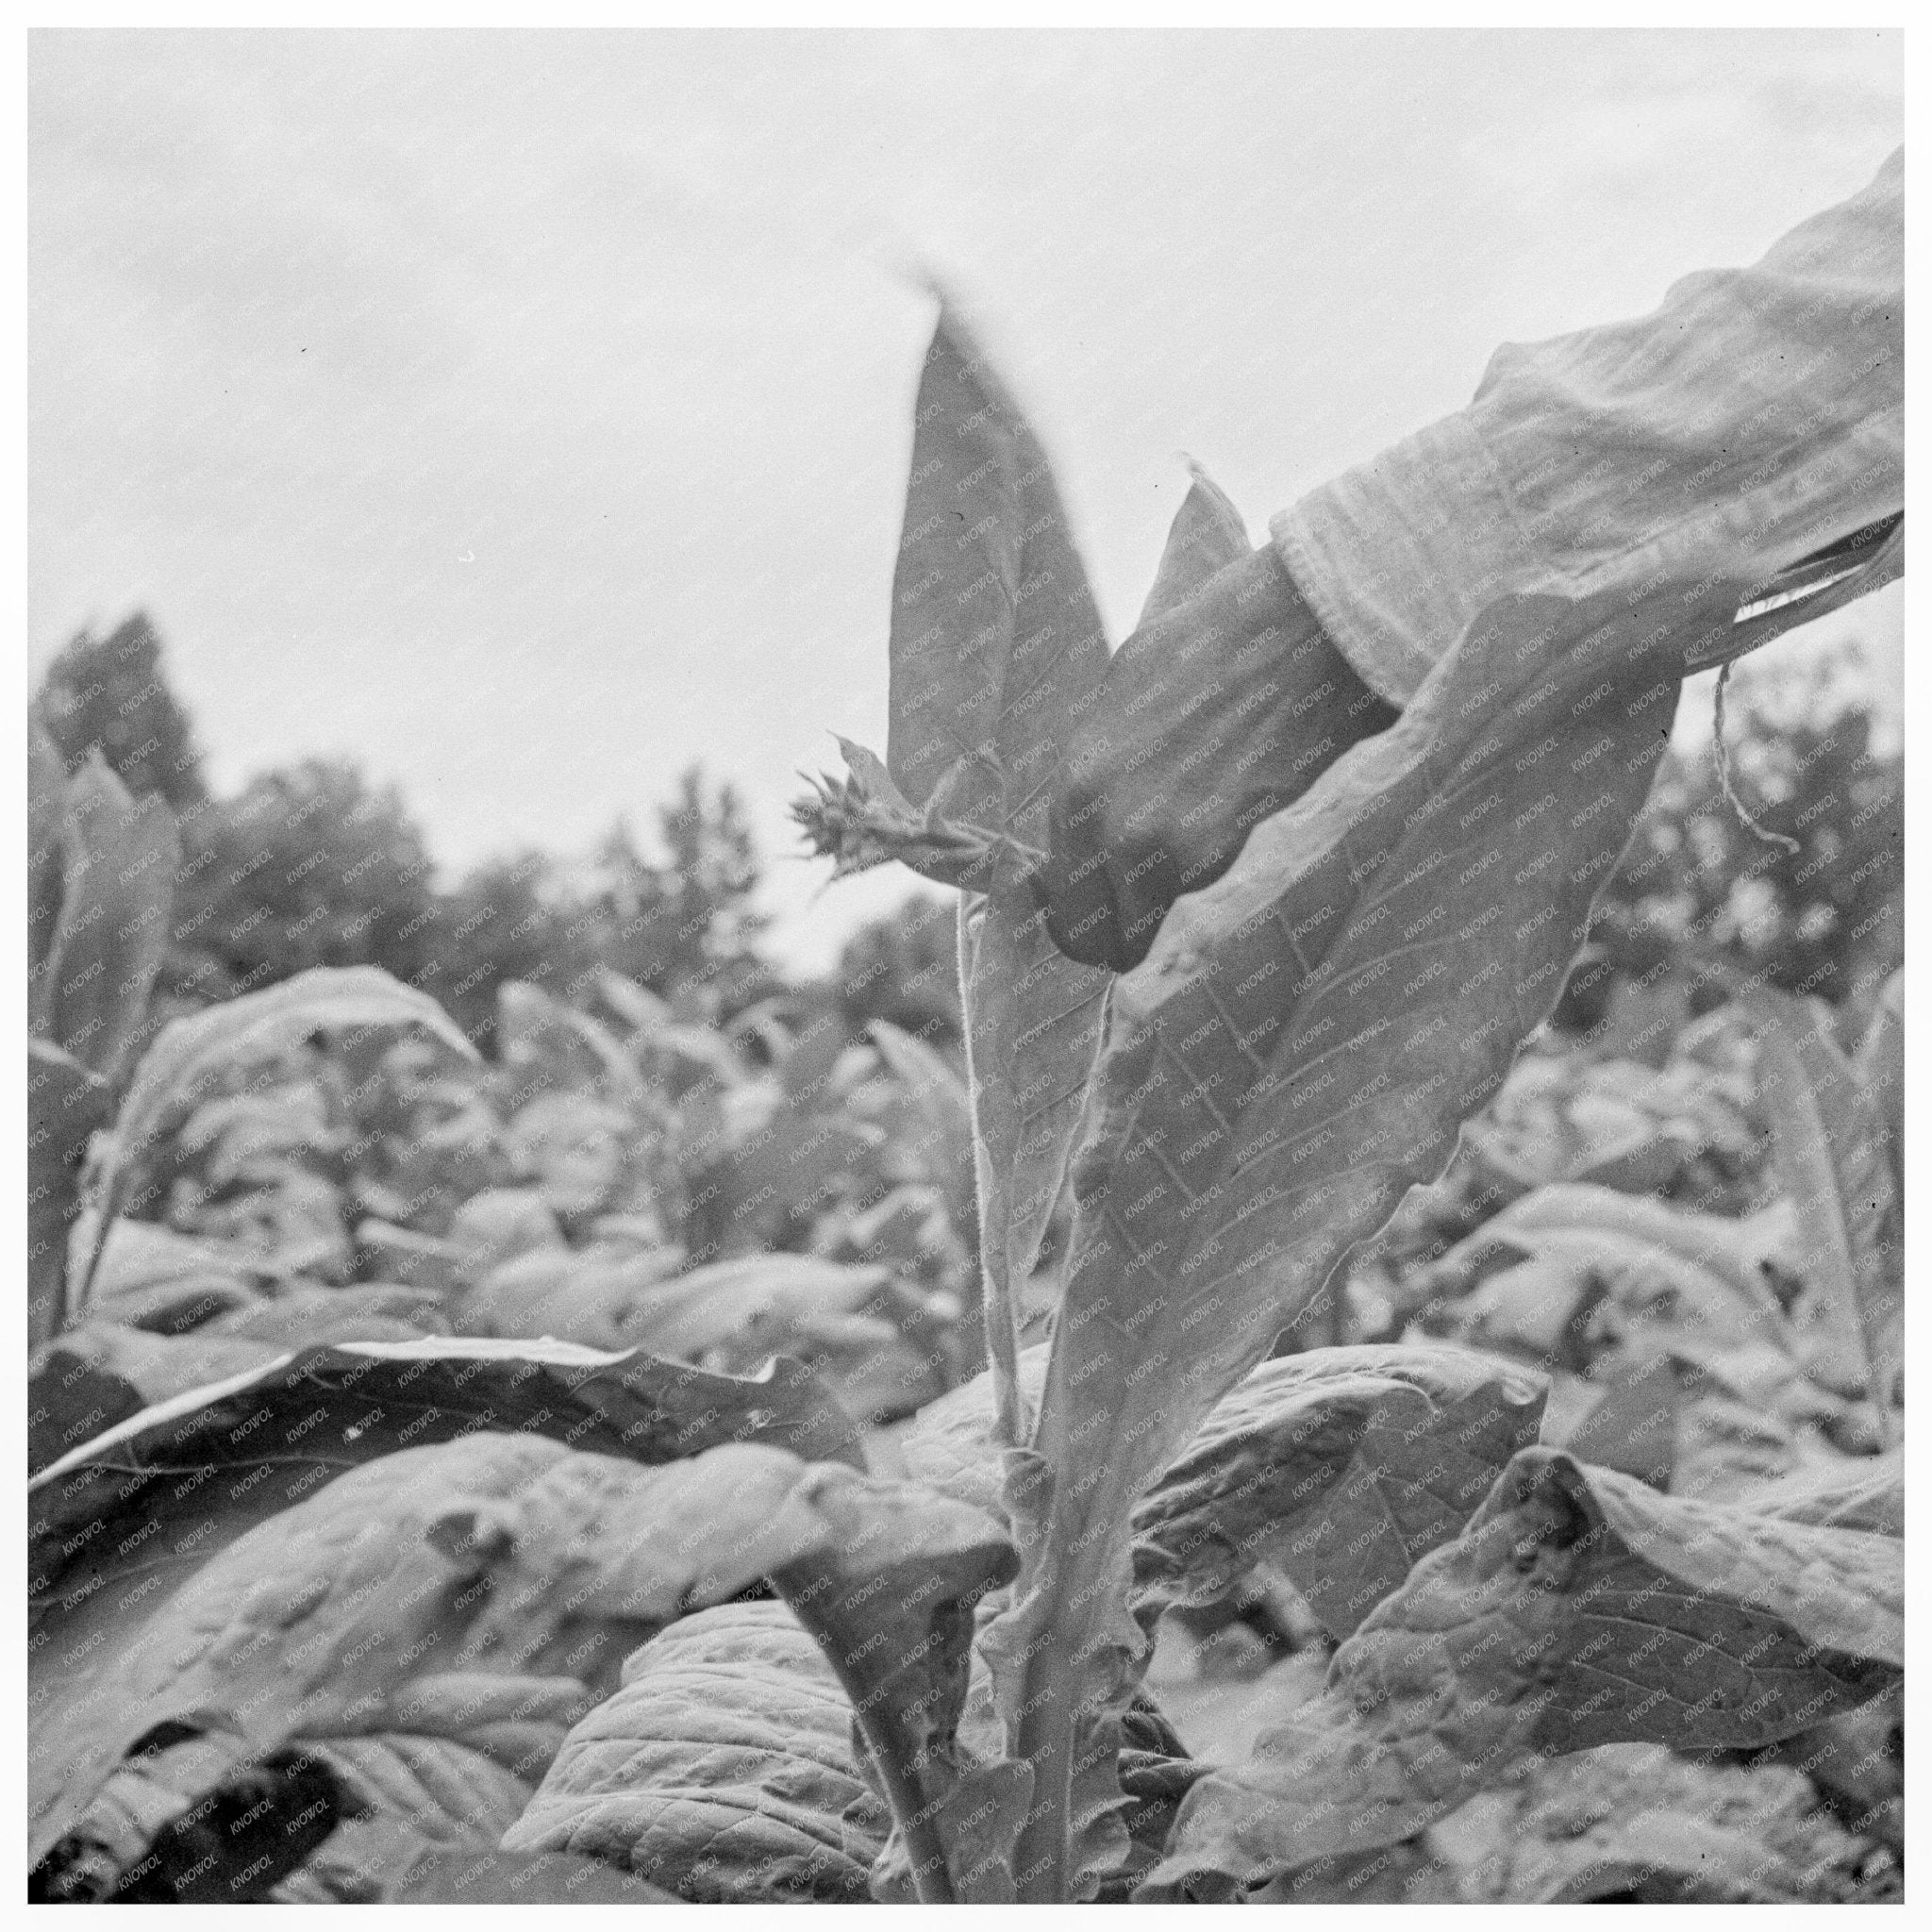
(1283, 1422)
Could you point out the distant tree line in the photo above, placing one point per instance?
(313, 865)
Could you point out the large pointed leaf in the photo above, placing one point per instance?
(480, 1592)
(722, 1770)
(1298, 1049)
(117, 891)
(995, 638)
(1830, 1146)
(66, 1106)
(1579, 1608)
(273, 1433)
(189, 1052)
(1207, 537)
(996, 651)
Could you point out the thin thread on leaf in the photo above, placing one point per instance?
(1724, 776)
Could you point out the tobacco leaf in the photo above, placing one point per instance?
(1579, 1608)
(1880, 1065)
(100, 1374)
(722, 1769)
(1298, 1049)
(480, 1591)
(996, 651)
(1851, 1492)
(492, 1877)
(889, 1597)
(1207, 535)
(273, 1433)
(1341, 1466)
(190, 1051)
(117, 888)
(1830, 1150)
(67, 1105)
(995, 637)
(943, 1138)
(46, 814)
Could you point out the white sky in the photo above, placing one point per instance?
(527, 415)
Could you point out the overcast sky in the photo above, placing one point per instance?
(527, 415)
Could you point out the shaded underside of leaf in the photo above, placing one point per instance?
(479, 1592)
(1302, 1045)
(1579, 1608)
(301, 1419)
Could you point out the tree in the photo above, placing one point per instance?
(109, 693)
(309, 866)
(904, 968)
(687, 920)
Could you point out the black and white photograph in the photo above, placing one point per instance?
(965, 963)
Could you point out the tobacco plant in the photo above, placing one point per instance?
(1299, 1049)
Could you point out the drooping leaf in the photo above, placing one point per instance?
(333, 1620)
(1829, 1148)
(722, 1770)
(116, 889)
(1207, 535)
(300, 1419)
(889, 1597)
(67, 1105)
(1578, 1608)
(190, 1050)
(1298, 1049)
